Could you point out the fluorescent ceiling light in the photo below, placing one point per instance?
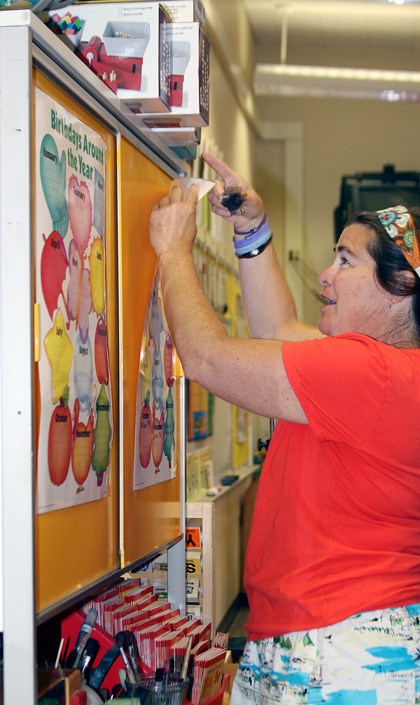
(322, 81)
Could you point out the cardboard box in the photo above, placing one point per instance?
(58, 683)
(125, 45)
(189, 79)
(185, 11)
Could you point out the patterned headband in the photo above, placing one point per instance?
(399, 225)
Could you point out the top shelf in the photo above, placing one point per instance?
(48, 46)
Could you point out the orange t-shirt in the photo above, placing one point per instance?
(336, 524)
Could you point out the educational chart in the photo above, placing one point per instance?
(76, 426)
(154, 448)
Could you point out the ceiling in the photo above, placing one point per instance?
(369, 34)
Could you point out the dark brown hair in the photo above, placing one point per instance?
(390, 261)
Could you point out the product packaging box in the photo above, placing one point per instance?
(189, 79)
(182, 141)
(125, 45)
(58, 684)
(185, 11)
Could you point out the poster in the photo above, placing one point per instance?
(154, 447)
(76, 425)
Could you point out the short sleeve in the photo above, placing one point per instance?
(341, 384)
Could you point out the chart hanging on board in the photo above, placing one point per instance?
(154, 448)
(76, 422)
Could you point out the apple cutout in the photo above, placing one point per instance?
(101, 436)
(80, 212)
(81, 455)
(59, 350)
(79, 299)
(101, 351)
(54, 265)
(60, 441)
(145, 432)
(158, 437)
(97, 275)
(169, 428)
(168, 360)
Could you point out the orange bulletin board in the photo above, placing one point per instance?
(78, 545)
(151, 516)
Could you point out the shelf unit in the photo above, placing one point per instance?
(224, 523)
(26, 44)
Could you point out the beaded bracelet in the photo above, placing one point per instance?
(257, 250)
(253, 230)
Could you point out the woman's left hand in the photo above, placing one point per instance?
(173, 221)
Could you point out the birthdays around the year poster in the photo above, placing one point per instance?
(154, 448)
(76, 426)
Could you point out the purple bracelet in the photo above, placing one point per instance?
(255, 241)
(254, 230)
(248, 242)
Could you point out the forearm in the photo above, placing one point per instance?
(266, 296)
(249, 373)
(194, 327)
(268, 301)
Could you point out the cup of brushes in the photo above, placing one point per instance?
(164, 688)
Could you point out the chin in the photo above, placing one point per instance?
(322, 327)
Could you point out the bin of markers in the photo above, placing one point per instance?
(173, 691)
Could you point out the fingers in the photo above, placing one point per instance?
(164, 201)
(218, 189)
(230, 177)
(220, 167)
(192, 195)
(176, 194)
(216, 206)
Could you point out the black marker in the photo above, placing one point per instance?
(232, 199)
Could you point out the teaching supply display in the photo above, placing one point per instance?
(139, 646)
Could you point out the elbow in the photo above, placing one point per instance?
(201, 359)
(195, 368)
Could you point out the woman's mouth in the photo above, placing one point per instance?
(326, 301)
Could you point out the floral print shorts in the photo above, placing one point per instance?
(372, 658)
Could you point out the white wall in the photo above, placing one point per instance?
(339, 136)
(342, 136)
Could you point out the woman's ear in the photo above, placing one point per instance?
(406, 279)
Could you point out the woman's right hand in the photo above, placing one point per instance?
(252, 211)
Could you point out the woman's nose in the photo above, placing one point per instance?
(327, 275)
(323, 278)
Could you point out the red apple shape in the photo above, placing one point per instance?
(59, 443)
(54, 263)
(101, 352)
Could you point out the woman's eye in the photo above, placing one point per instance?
(343, 260)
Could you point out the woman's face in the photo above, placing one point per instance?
(354, 301)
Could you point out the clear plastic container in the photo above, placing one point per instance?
(152, 692)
